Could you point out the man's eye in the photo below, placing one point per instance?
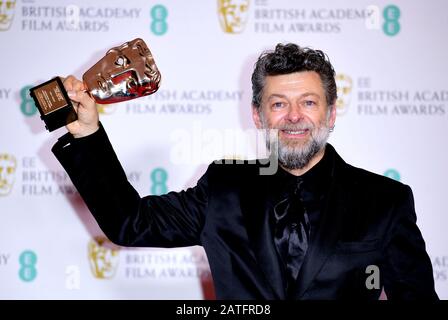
(278, 104)
(310, 103)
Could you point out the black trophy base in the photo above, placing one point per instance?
(53, 103)
(59, 118)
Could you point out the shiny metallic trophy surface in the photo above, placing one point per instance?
(126, 72)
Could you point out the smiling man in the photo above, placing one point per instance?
(316, 229)
(298, 106)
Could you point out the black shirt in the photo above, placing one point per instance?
(312, 192)
(314, 186)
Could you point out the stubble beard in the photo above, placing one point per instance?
(292, 154)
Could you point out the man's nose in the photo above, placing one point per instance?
(294, 114)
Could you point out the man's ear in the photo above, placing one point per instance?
(256, 116)
(332, 119)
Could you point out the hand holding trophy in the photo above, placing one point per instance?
(85, 107)
(126, 72)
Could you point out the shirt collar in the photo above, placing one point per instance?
(313, 183)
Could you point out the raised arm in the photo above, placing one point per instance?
(85, 152)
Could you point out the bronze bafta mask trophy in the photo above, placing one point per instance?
(124, 73)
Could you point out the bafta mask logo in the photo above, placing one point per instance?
(106, 108)
(344, 86)
(103, 258)
(6, 13)
(126, 72)
(233, 15)
(8, 165)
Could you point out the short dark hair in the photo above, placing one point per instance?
(289, 58)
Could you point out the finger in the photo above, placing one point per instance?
(76, 106)
(78, 85)
(86, 100)
(73, 98)
(73, 84)
(68, 83)
(83, 98)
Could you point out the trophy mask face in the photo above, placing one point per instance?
(8, 166)
(233, 15)
(124, 73)
(6, 13)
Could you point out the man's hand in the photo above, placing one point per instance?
(85, 107)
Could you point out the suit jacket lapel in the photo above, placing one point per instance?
(333, 215)
(256, 206)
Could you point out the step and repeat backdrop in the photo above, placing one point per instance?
(390, 59)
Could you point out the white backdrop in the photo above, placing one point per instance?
(390, 60)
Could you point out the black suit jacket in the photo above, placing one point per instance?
(367, 220)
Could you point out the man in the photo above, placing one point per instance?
(315, 229)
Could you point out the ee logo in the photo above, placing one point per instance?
(27, 261)
(393, 174)
(27, 105)
(159, 176)
(391, 19)
(159, 14)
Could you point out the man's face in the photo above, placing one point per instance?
(295, 104)
(126, 72)
(233, 14)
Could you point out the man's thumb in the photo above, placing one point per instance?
(73, 95)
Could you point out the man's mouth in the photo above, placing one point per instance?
(295, 133)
